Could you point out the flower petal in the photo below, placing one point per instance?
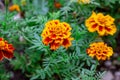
(1, 55)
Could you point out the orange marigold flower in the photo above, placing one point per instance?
(6, 50)
(14, 7)
(57, 34)
(100, 50)
(57, 5)
(104, 25)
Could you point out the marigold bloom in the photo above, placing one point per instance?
(84, 1)
(57, 5)
(104, 25)
(6, 50)
(57, 34)
(100, 50)
(14, 7)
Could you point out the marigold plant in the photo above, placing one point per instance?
(57, 34)
(14, 7)
(6, 50)
(100, 50)
(104, 25)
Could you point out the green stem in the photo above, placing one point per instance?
(97, 63)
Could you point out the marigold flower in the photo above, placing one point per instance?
(6, 50)
(104, 25)
(100, 50)
(57, 34)
(14, 7)
(84, 1)
(57, 5)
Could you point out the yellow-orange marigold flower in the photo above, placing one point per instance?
(57, 34)
(6, 50)
(104, 25)
(14, 7)
(100, 50)
(84, 1)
